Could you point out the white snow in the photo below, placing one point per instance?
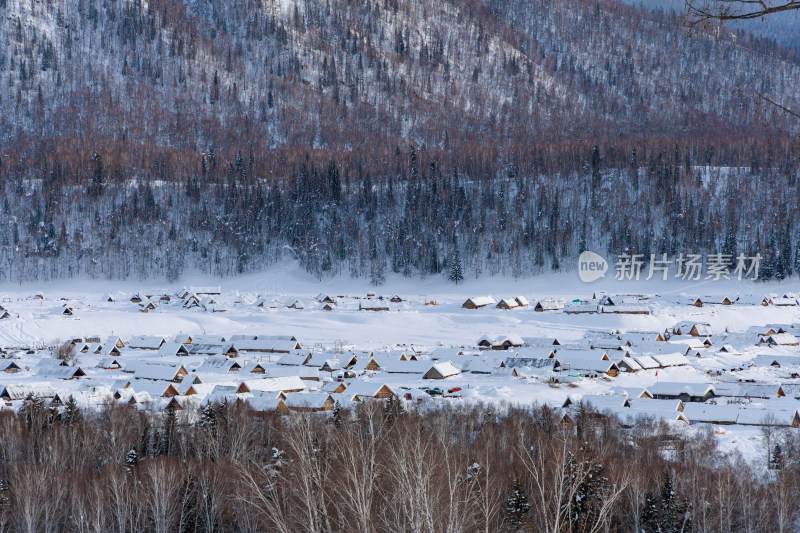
(406, 341)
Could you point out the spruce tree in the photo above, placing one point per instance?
(208, 416)
(336, 415)
(170, 430)
(72, 412)
(394, 408)
(586, 476)
(776, 458)
(517, 506)
(35, 413)
(663, 511)
(5, 501)
(131, 460)
(456, 274)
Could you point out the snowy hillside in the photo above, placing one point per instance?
(143, 140)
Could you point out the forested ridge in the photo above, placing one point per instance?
(144, 139)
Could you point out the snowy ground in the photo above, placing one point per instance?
(39, 323)
(445, 323)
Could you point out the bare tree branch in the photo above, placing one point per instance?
(776, 104)
(702, 13)
(723, 10)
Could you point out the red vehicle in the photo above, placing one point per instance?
(454, 389)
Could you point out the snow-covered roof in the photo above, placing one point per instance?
(709, 413)
(442, 369)
(146, 342)
(532, 362)
(549, 305)
(670, 359)
(366, 389)
(679, 388)
(395, 366)
(480, 301)
(20, 391)
(172, 348)
(276, 384)
(308, 400)
(146, 370)
(748, 390)
(262, 403)
(60, 372)
(646, 362)
(626, 308)
(154, 388)
(598, 402)
(267, 345)
(581, 306)
(781, 339)
(208, 349)
(217, 363)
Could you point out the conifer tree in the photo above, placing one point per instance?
(663, 511)
(336, 415)
(585, 476)
(131, 460)
(776, 458)
(517, 506)
(456, 273)
(394, 408)
(72, 412)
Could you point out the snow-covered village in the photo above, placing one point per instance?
(728, 360)
(677, 366)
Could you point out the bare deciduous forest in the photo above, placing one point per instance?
(379, 467)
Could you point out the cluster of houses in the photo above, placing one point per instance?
(479, 302)
(731, 367)
(747, 404)
(211, 299)
(599, 303)
(327, 302)
(689, 372)
(268, 372)
(632, 304)
(279, 373)
(188, 298)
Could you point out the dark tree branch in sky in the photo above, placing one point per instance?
(722, 10)
(703, 12)
(776, 104)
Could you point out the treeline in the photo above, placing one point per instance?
(380, 467)
(420, 212)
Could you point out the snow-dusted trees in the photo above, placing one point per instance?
(664, 511)
(453, 220)
(517, 506)
(450, 469)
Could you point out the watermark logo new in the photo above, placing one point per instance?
(591, 266)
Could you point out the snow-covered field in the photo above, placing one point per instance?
(430, 327)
